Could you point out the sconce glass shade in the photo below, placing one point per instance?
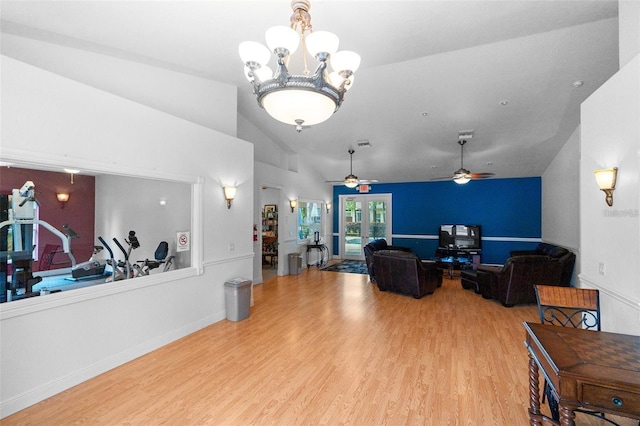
(229, 194)
(293, 204)
(328, 206)
(62, 197)
(606, 179)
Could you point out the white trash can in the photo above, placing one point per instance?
(237, 297)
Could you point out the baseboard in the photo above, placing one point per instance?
(54, 387)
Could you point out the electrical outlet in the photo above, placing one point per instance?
(231, 247)
(601, 268)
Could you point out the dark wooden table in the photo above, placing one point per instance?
(591, 369)
(322, 248)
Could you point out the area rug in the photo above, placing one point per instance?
(348, 266)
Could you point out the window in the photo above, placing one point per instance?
(112, 213)
(309, 220)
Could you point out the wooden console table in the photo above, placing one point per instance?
(591, 369)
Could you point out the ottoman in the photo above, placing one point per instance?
(488, 280)
(469, 280)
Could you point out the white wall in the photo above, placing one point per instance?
(610, 236)
(561, 200)
(53, 342)
(202, 101)
(628, 29)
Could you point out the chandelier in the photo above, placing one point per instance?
(306, 98)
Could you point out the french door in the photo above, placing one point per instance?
(363, 218)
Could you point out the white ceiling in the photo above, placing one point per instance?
(455, 60)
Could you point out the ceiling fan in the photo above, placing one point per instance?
(351, 180)
(462, 175)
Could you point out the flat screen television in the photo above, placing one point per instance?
(467, 237)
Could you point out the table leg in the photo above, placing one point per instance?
(535, 417)
(567, 416)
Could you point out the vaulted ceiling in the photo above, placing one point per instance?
(504, 69)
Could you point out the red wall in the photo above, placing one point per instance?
(78, 212)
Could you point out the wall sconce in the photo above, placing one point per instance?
(229, 194)
(328, 206)
(62, 198)
(606, 179)
(293, 204)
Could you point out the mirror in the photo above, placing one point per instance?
(114, 226)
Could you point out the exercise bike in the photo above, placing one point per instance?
(160, 257)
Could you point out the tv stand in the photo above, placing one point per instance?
(453, 259)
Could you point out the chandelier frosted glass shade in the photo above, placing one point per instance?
(305, 98)
(288, 106)
(281, 37)
(345, 61)
(252, 52)
(322, 42)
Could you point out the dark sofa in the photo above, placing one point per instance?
(403, 272)
(374, 246)
(514, 282)
(561, 254)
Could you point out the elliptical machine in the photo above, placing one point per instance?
(122, 270)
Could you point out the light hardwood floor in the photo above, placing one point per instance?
(322, 348)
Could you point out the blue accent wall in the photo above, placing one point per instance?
(505, 208)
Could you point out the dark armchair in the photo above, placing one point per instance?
(403, 272)
(561, 254)
(374, 246)
(514, 283)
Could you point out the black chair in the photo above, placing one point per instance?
(374, 246)
(568, 307)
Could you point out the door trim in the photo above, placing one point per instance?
(364, 198)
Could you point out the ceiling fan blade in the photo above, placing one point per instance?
(365, 181)
(442, 178)
(482, 175)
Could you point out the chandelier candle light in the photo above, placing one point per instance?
(299, 99)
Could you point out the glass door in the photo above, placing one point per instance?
(364, 218)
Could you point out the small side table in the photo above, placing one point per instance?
(322, 248)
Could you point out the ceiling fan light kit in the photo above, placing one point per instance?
(462, 175)
(299, 99)
(351, 180)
